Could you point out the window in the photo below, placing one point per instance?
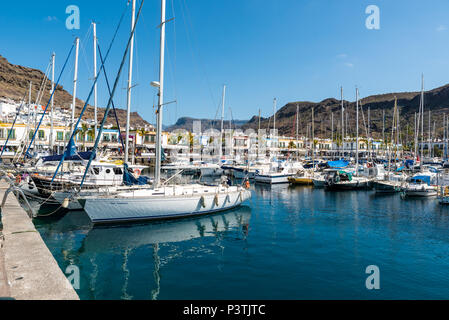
(96, 171)
(13, 134)
(106, 138)
(67, 136)
(108, 171)
(113, 137)
(2, 133)
(118, 171)
(41, 135)
(59, 135)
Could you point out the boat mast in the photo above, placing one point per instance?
(342, 125)
(357, 132)
(258, 138)
(422, 120)
(313, 141)
(75, 82)
(223, 99)
(53, 58)
(130, 76)
(274, 125)
(297, 132)
(94, 25)
(157, 174)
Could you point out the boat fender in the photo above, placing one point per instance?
(65, 203)
(203, 202)
(216, 200)
(241, 196)
(18, 178)
(247, 184)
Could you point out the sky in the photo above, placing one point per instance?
(294, 50)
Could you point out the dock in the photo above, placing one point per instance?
(28, 270)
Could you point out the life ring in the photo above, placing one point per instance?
(137, 171)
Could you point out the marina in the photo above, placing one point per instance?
(345, 198)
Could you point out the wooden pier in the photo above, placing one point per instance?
(28, 270)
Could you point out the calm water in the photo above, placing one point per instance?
(286, 243)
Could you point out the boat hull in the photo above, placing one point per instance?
(301, 181)
(386, 187)
(116, 210)
(273, 179)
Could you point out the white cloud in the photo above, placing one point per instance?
(441, 28)
(349, 65)
(342, 56)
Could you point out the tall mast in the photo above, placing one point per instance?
(53, 58)
(94, 25)
(313, 140)
(357, 132)
(157, 174)
(297, 131)
(258, 137)
(130, 77)
(274, 123)
(75, 82)
(416, 136)
(383, 127)
(430, 137)
(422, 119)
(342, 125)
(223, 99)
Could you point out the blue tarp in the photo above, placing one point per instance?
(78, 156)
(130, 180)
(338, 164)
(426, 179)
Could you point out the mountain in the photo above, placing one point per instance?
(186, 123)
(15, 81)
(436, 100)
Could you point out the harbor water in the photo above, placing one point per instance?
(285, 243)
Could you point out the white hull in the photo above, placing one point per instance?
(420, 193)
(161, 205)
(273, 179)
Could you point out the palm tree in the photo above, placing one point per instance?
(142, 132)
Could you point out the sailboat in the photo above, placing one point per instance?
(162, 201)
(391, 182)
(344, 179)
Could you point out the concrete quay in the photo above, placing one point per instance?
(28, 270)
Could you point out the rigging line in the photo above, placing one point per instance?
(185, 13)
(75, 128)
(51, 96)
(113, 106)
(87, 35)
(94, 151)
(175, 56)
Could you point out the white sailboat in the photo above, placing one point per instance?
(162, 201)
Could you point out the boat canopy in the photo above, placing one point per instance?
(75, 157)
(338, 164)
(425, 179)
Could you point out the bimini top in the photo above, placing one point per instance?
(419, 179)
(338, 164)
(76, 157)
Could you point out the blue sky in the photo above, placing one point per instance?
(293, 50)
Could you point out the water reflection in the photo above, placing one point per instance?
(92, 248)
